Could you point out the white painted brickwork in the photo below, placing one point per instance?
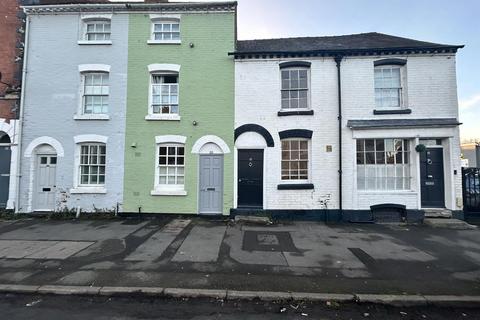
(431, 92)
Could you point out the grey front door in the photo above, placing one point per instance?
(5, 154)
(211, 184)
(44, 197)
(431, 178)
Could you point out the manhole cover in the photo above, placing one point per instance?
(277, 241)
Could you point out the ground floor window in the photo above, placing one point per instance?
(171, 165)
(295, 159)
(383, 164)
(92, 164)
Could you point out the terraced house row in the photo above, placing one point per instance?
(156, 107)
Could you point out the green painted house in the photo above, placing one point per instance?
(180, 110)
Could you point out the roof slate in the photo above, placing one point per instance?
(402, 123)
(361, 41)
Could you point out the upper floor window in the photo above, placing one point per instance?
(97, 30)
(95, 93)
(295, 159)
(165, 29)
(164, 93)
(388, 86)
(295, 88)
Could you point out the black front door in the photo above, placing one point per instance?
(250, 178)
(431, 178)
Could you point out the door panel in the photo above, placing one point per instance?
(211, 184)
(250, 178)
(432, 178)
(45, 185)
(5, 158)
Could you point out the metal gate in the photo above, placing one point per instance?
(471, 190)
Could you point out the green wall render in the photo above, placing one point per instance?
(206, 95)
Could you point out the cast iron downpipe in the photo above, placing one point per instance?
(338, 60)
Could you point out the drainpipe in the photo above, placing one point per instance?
(338, 60)
(22, 104)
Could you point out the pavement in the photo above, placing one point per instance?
(228, 259)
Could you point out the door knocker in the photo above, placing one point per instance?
(429, 161)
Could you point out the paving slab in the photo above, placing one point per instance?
(75, 230)
(156, 245)
(61, 250)
(16, 249)
(201, 245)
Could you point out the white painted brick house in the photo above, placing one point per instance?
(398, 119)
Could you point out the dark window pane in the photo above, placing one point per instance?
(370, 145)
(380, 144)
(170, 79)
(380, 158)
(360, 158)
(53, 160)
(171, 160)
(360, 145)
(171, 151)
(180, 160)
(399, 157)
(163, 151)
(162, 160)
(370, 157)
(181, 150)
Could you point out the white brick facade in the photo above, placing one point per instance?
(430, 93)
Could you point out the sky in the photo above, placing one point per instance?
(440, 21)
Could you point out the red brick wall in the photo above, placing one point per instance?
(10, 39)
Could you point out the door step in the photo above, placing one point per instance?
(448, 224)
(438, 213)
(253, 220)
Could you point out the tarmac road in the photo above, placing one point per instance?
(45, 307)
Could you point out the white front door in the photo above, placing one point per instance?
(45, 185)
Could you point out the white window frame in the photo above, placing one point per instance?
(162, 69)
(405, 165)
(80, 141)
(97, 18)
(167, 19)
(288, 90)
(89, 69)
(309, 161)
(402, 89)
(169, 189)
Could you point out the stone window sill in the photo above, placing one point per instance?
(392, 111)
(91, 117)
(162, 117)
(93, 42)
(283, 113)
(295, 186)
(85, 190)
(165, 192)
(164, 41)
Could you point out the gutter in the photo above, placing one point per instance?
(338, 60)
(22, 108)
(344, 52)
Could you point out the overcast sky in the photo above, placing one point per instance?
(441, 21)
